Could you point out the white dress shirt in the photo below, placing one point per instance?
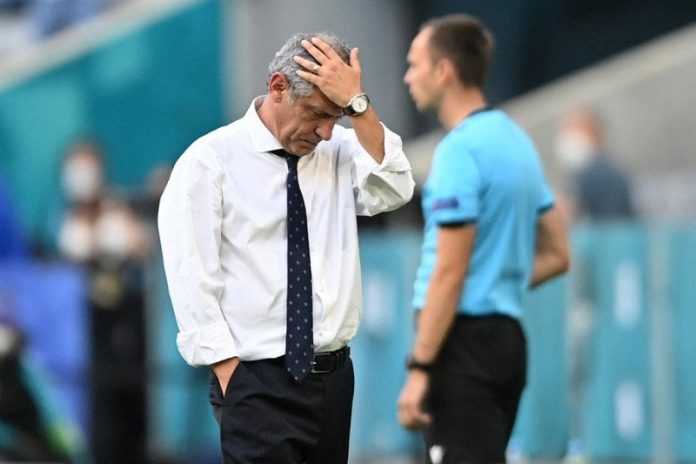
(222, 224)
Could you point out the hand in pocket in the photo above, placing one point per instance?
(224, 370)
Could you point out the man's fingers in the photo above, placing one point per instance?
(309, 65)
(316, 53)
(308, 76)
(412, 417)
(418, 418)
(325, 48)
(405, 419)
(355, 59)
(423, 418)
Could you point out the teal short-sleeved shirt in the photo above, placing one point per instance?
(486, 171)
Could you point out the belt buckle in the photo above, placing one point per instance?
(317, 371)
(321, 371)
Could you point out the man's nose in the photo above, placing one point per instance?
(325, 129)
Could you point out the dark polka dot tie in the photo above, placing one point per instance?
(299, 343)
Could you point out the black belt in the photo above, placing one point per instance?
(324, 363)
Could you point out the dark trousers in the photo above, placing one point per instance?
(267, 418)
(475, 390)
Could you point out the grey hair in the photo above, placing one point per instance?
(283, 61)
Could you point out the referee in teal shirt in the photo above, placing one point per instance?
(491, 232)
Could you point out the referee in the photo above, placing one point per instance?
(491, 231)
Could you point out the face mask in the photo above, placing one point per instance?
(82, 180)
(574, 149)
(76, 240)
(116, 234)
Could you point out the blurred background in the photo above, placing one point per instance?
(98, 98)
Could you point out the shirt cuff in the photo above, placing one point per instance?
(394, 158)
(207, 345)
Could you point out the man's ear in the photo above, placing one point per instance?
(277, 86)
(444, 71)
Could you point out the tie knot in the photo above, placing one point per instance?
(292, 161)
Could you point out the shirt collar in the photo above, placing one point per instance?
(261, 138)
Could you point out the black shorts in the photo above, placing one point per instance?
(475, 388)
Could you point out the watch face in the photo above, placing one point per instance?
(360, 104)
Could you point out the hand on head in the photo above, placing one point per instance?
(335, 78)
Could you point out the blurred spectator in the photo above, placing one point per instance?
(104, 234)
(600, 187)
(97, 224)
(24, 435)
(117, 301)
(23, 430)
(82, 180)
(599, 191)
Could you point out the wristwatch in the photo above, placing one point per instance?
(413, 363)
(357, 105)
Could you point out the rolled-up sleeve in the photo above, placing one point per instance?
(189, 224)
(385, 186)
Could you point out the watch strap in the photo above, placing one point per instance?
(413, 363)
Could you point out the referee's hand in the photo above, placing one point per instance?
(411, 414)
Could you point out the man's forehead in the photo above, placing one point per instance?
(320, 103)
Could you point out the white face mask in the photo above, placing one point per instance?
(117, 233)
(82, 180)
(574, 149)
(76, 239)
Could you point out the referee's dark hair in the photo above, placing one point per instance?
(466, 42)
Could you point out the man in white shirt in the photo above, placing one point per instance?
(227, 236)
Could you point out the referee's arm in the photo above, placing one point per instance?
(551, 255)
(454, 246)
